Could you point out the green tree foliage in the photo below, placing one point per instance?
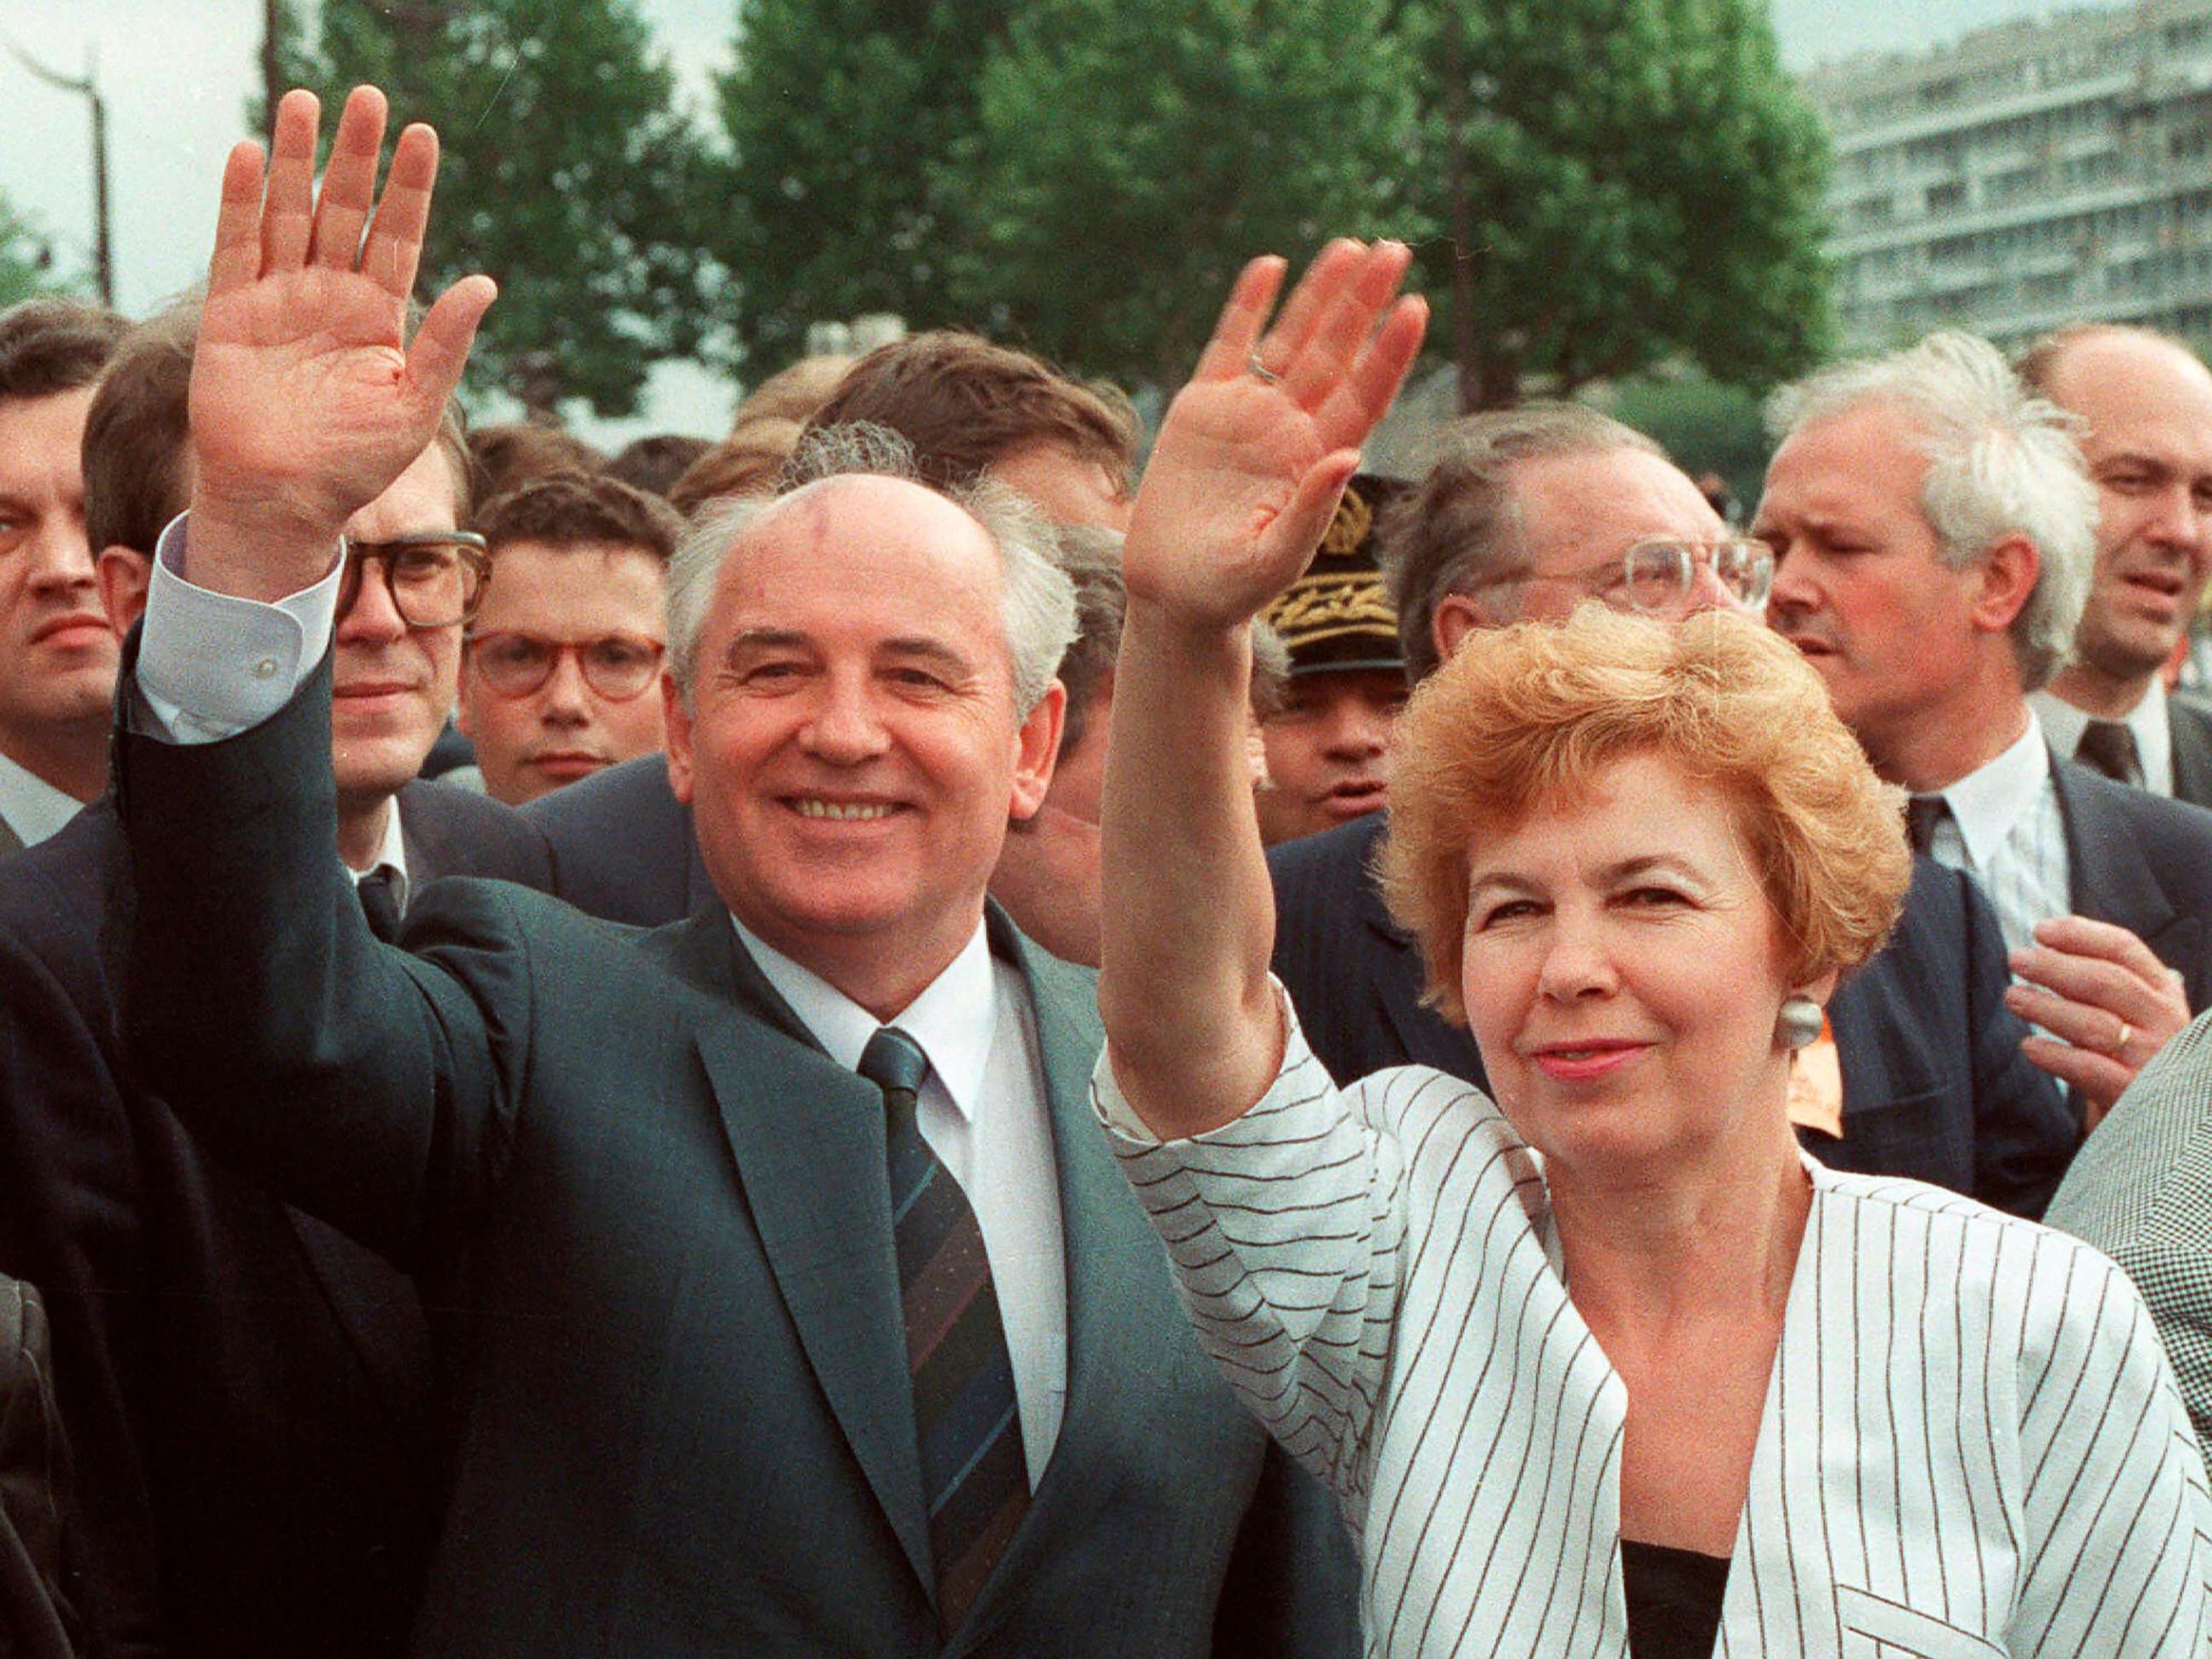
(26, 260)
(1128, 159)
(1619, 183)
(569, 175)
(1705, 426)
(839, 114)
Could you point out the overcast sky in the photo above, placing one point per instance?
(177, 73)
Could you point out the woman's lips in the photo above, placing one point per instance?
(1578, 1062)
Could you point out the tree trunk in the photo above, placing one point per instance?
(1466, 350)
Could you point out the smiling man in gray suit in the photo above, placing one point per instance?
(804, 1312)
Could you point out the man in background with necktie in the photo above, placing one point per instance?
(2145, 406)
(1934, 532)
(248, 1393)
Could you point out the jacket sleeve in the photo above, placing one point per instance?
(2025, 1131)
(368, 1087)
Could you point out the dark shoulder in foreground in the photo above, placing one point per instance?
(457, 832)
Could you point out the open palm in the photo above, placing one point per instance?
(1256, 449)
(307, 400)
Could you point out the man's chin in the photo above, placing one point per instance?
(371, 770)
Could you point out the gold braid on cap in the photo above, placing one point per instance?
(1349, 528)
(1327, 605)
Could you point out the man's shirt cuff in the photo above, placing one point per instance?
(211, 666)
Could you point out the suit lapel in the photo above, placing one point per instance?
(808, 1138)
(11, 842)
(1117, 1285)
(2191, 728)
(2106, 876)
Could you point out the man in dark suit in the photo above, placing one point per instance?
(249, 1391)
(36, 1619)
(622, 843)
(57, 653)
(2144, 402)
(1522, 517)
(721, 1388)
(1935, 535)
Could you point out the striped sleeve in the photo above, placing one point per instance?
(2115, 1558)
(1285, 1230)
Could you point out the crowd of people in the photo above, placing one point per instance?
(883, 1037)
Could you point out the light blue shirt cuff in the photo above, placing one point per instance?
(210, 665)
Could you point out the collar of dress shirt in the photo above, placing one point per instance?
(2146, 721)
(1988, 802)
(34, 809)
(393, 856)
(954, 1019)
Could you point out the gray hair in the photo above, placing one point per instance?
(1459, 528)
(1091, 554)
(1036, 602)
(2000, 462)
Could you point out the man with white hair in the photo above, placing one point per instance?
(1934, 532)
(803, 1309)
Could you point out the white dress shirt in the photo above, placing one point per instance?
(34, 808)
(1971, 1443)
(982, 1111)
(2005, 830)
(2147, 723)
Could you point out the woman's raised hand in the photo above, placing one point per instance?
(1256, 449)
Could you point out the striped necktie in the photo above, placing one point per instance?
(964, 1411)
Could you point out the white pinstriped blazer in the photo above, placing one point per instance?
(1972, 1444)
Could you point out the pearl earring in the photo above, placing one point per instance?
(1799, 1026)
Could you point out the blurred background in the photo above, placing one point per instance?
(1663, 205)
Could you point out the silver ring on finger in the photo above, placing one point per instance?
(2120, 1043)
(1260, 371)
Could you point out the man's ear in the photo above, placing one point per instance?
(679, 737)
(1037, 751)
(1456, 616)
(124, 575)
(2006, 578)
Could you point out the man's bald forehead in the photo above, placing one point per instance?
(814, 507)
(2101, 349)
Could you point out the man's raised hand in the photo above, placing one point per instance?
(1256, 451)
(308, 399)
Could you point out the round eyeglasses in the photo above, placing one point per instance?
(618, 666)
(436, 579)
(1657, 576)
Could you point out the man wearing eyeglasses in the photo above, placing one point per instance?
(1522, 517)
(560, 673)
(248, 1392)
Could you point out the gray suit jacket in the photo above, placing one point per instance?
(2190, 723)
(2141, 1191)
(659, 1212)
